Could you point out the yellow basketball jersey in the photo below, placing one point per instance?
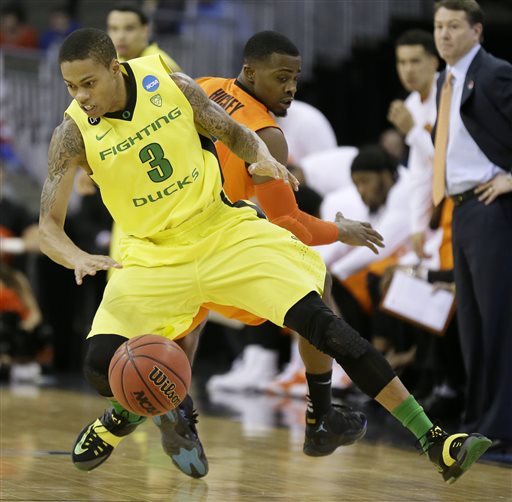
(153, 168)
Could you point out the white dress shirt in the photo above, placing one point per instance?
(391, 221)
(466, 165)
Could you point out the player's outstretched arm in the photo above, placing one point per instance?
(66, 153)
(238, 138)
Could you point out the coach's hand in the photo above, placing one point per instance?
(358, 233)
(499, 185)
(273, 169)
(89, 264)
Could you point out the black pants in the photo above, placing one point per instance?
(482, 248)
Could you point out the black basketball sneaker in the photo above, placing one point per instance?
(454, 454)
(340, 426)
(97, 441)
(180, 439)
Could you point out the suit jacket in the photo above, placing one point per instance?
(486, 106)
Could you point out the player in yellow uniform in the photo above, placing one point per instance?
(128, 27)
(143, 136)
(248, 110)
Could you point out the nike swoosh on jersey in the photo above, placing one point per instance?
(99, 137)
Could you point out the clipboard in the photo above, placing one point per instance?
(414, 301)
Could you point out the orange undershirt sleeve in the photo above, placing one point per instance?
(277, 200)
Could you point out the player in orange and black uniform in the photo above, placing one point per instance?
(240, 100)
(267, 83)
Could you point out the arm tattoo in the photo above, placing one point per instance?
(208, 114)
(66, 150)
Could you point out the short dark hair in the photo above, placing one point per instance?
(127, 7)
(375, 159)
(88, 43)
(418, 37)
(474, 13)
(265, 43)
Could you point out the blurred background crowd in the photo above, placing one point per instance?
(350, 137)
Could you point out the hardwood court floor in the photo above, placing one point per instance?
(248, 462)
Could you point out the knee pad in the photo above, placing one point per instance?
(370, 372)
(313, 320)
(99, 352)
(341, 339)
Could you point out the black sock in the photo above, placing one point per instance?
(319, 393)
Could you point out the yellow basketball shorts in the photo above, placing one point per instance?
(226, 255)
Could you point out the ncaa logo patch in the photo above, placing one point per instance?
(150, 83)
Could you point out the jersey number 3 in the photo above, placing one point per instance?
(161, 167)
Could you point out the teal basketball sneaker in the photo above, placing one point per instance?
(180, 439)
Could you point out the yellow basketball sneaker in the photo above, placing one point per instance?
(454, 454)
(97, 440)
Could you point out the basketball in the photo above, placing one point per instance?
(149, 375)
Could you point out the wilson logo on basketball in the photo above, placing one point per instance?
(144, 402)
(164, 385)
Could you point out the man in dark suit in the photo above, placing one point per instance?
(476, 162)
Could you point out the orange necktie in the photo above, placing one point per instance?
(441, 141)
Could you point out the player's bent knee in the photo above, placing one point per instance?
(313, 320)
(99, 352)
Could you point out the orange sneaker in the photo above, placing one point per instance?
(290, 382)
